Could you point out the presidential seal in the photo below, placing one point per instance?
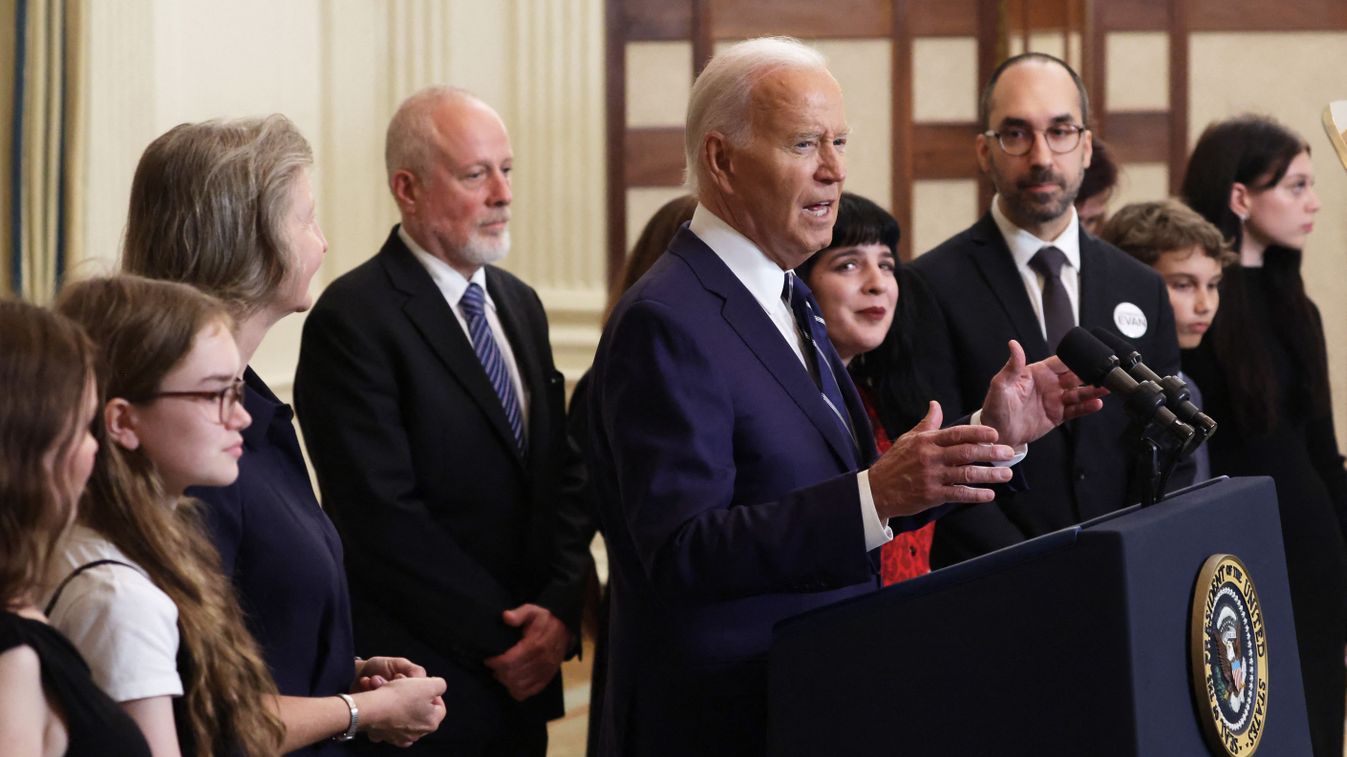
(1228, 654)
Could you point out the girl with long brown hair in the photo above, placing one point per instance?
(137, 585)
(48, 703)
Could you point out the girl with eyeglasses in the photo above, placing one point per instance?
(49, 705)
(136, 584)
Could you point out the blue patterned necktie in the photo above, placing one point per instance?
(474, 304)
(798, 298)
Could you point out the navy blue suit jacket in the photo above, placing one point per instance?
(729, 498)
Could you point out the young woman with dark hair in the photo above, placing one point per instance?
(1264, 376)
(871, 306)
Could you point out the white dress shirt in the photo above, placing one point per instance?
(1023, 246)
(453, 286)
(764, 279)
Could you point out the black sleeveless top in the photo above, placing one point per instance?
(94, 723)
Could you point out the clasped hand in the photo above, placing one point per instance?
(409, 704)
(528, 666)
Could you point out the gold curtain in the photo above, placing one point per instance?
(42, 161)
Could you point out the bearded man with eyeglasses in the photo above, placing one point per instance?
(1027, 271)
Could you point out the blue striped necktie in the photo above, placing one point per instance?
(474, 311)
(800, 300)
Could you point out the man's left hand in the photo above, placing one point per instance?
(527, 667)
(1026, 401)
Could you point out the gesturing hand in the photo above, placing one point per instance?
(929, 466)
(1024, 402)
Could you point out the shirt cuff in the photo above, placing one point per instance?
(1021, 451)
(877, 532)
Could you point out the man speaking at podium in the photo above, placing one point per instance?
(738, 480)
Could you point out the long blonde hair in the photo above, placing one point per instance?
(142, 329)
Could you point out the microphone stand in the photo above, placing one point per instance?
(1157, 454)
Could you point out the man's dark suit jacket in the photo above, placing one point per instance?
(445, 524)
(1079, 470)
(729, 500)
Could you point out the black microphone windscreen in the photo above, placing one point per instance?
(1116, 343)
(1090, 358)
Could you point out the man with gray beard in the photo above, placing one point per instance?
(1027, 271)
(434, 417)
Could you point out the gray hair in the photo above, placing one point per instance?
(722, 93)
(208, 205)
(412, 130)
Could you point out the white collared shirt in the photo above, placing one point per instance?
(453, 286)
(764, 279)
(1023, 246)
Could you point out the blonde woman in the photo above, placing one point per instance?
(228, 207)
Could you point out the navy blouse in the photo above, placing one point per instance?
(285, 557)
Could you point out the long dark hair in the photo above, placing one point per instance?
(889, 370)
(1256, 151)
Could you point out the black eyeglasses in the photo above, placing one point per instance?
(226, 399)
(1019, 140)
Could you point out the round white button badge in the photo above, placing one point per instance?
(1129, 319)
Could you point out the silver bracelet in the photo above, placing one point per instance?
(355, 719)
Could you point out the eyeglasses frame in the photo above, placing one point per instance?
(1080, 130)
(235, 387)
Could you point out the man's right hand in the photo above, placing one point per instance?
(929, 466)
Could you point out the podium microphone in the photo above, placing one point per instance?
(1096, 364)
(1176, 391)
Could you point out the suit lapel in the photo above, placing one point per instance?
(436, 323)
(1095, 303)
(996, 265)
(746, 317)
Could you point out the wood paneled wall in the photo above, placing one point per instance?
(643, 157)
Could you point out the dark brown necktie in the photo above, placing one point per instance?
(1057, 316)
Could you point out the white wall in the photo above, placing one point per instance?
(338, 68)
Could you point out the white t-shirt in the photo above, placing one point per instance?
(125, 627)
